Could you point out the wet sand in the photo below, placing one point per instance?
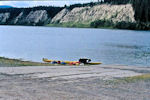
(72, 83)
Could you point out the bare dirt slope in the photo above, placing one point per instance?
(115, 13)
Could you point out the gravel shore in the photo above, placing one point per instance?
(73, 83)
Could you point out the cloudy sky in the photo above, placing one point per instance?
(31, 3)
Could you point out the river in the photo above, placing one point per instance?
(121, 47)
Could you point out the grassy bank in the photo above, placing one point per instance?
(144, 77)
(104, 24)
(70, 24)
(16, 62)
(132, 79)
(137, 78)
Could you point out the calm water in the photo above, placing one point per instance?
(108, 46)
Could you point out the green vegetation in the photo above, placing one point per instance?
(120, 25)
(137, 78)
(16, 62)
(91, 4)
(143, 77)
(102, 24)
(117, 1)
(70, 24)
(107, 24)
(142, 10)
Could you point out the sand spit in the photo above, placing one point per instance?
(72, 83)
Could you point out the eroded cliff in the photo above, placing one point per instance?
(28, 16)
(115, 13)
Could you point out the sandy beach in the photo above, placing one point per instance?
(73, 83)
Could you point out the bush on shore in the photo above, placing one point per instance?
(120, 25)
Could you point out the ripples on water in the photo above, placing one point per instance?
(138, 55)
(125, 46)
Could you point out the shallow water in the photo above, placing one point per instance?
(123, 47)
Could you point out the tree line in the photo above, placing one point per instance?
(142, 10)
(117, 1)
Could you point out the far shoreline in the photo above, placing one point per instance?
(101, 28)
(16, 62)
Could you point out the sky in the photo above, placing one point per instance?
(31, 3)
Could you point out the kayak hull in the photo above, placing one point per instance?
(46, 60)
(94, 63)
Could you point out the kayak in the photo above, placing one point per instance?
(64, 62)
(94, 63)
(69, 62)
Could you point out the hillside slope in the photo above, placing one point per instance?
(28, 16)
(104, 15)
(114, 13)
(33, 18)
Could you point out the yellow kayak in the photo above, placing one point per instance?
(66, 62)
(94, 63)
(46, 60)
(71, 62)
